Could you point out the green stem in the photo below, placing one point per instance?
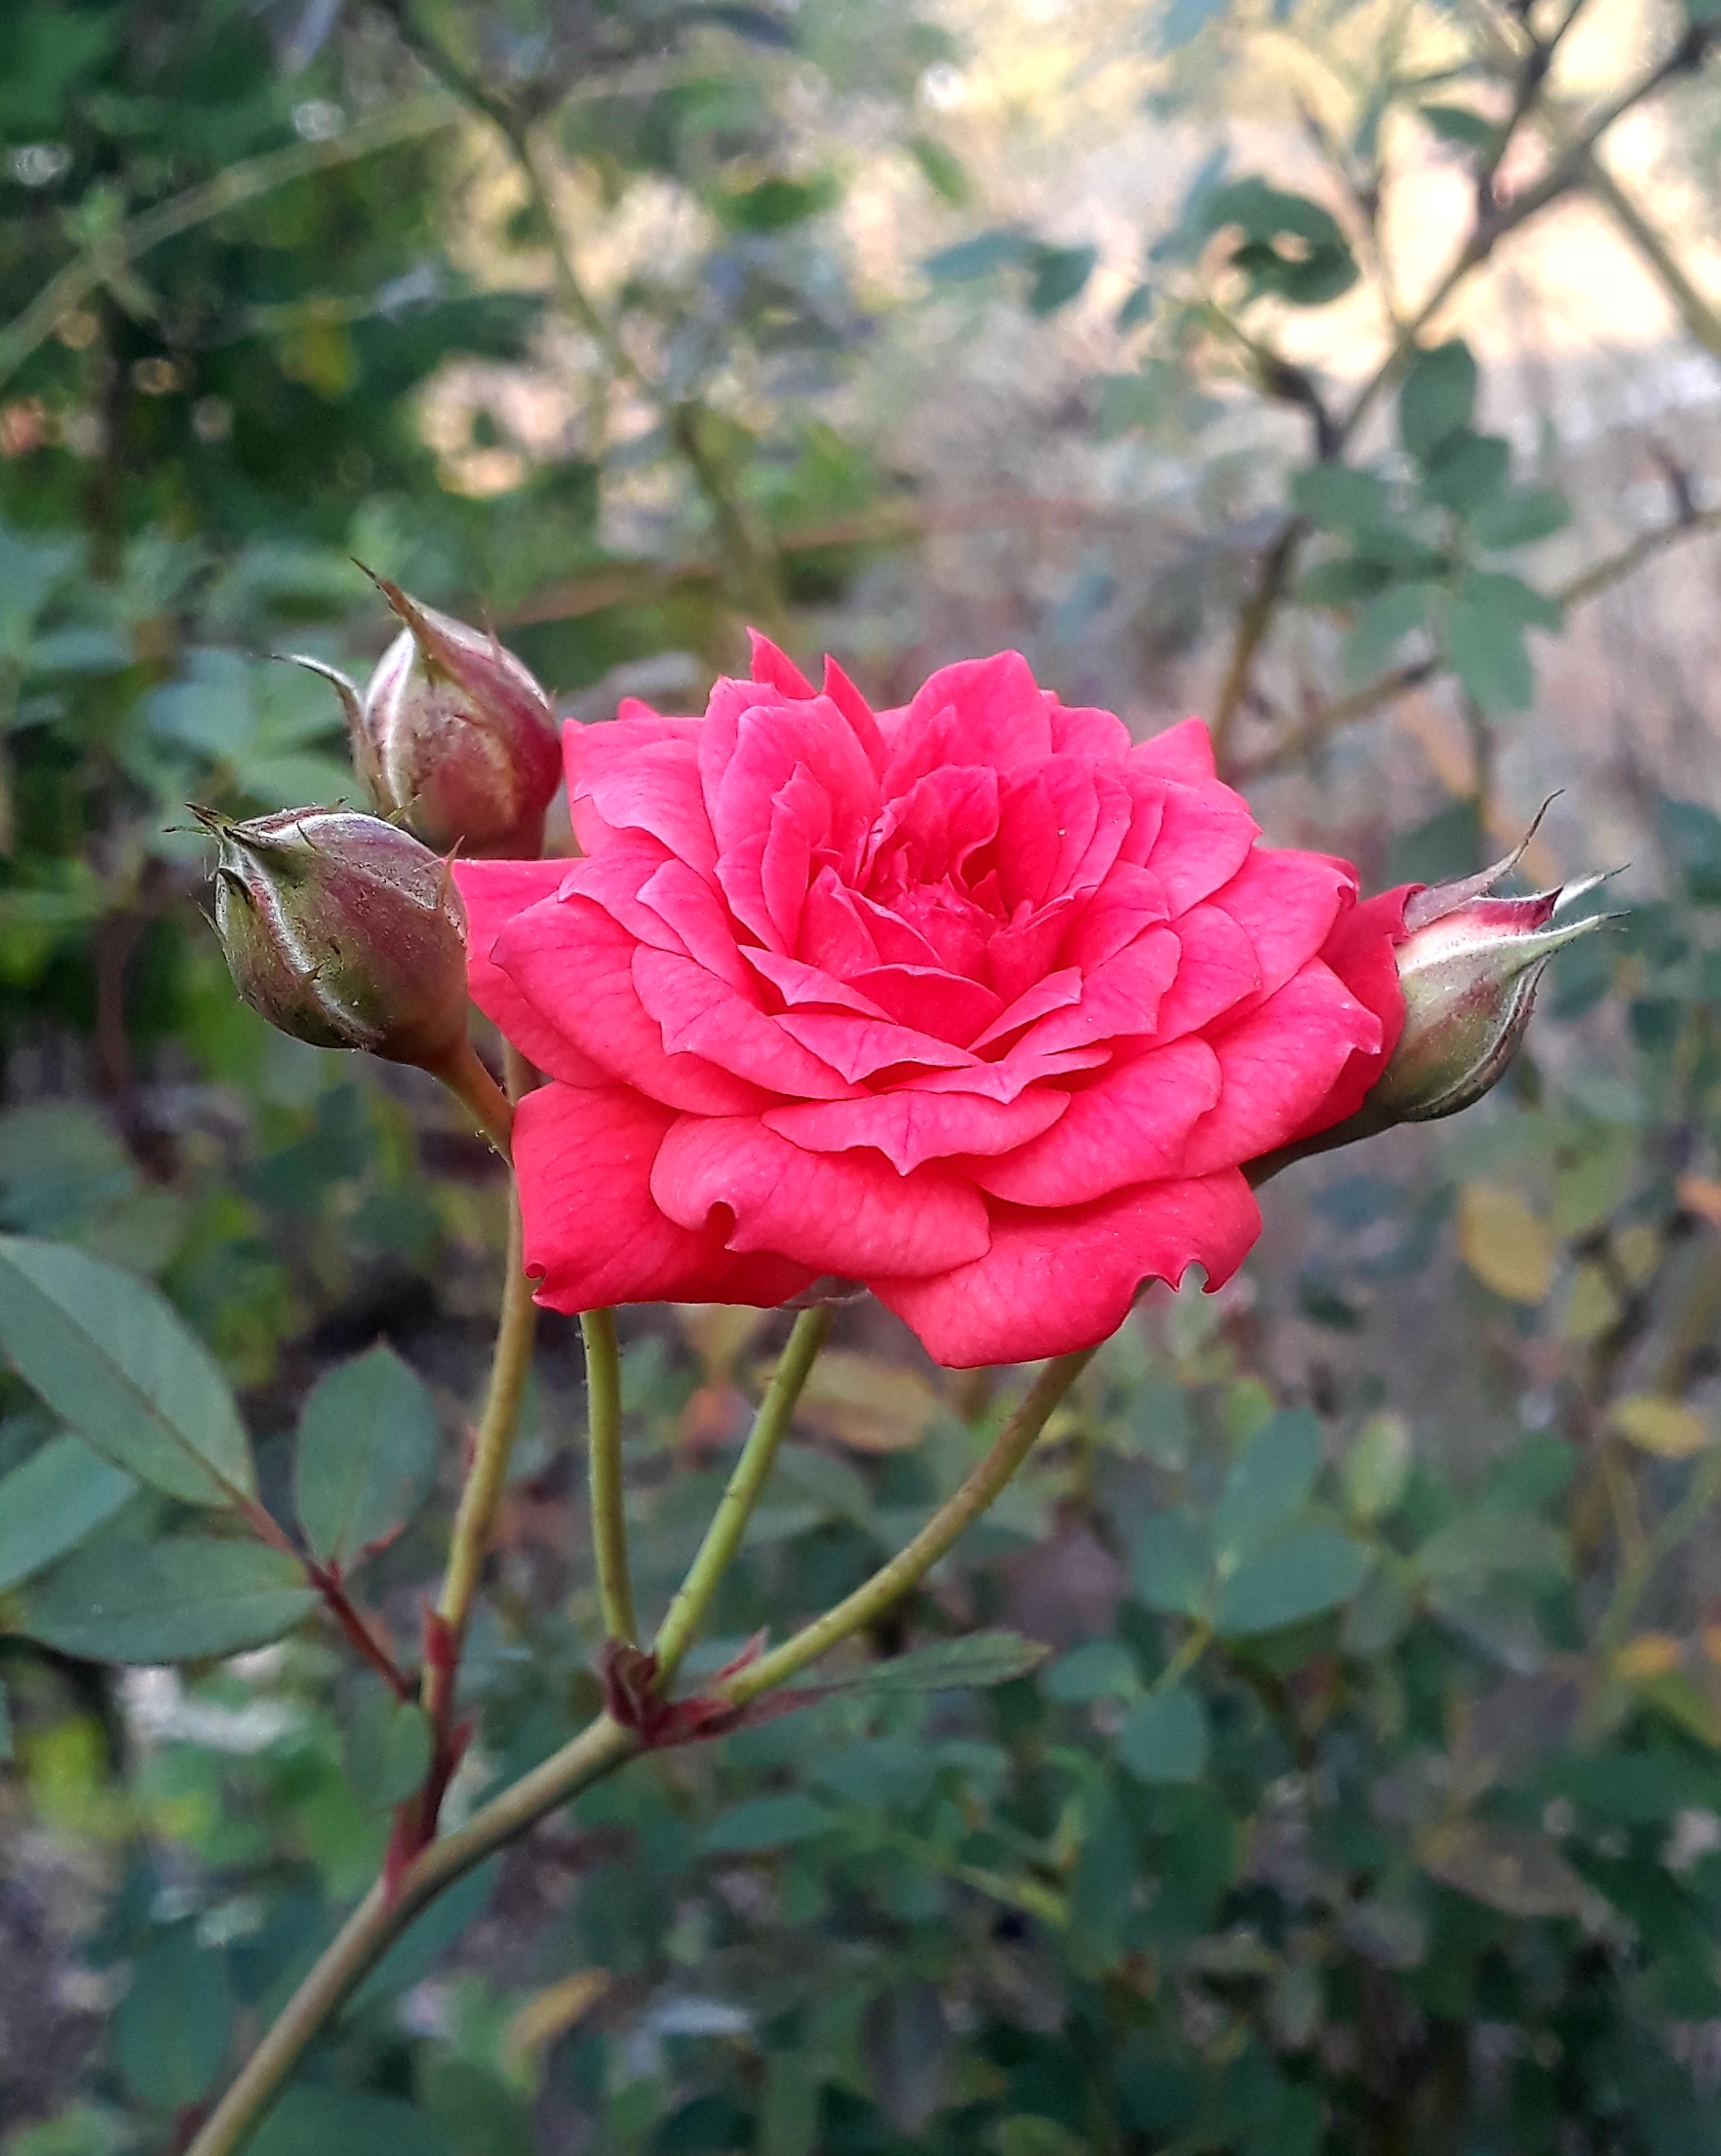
(475, 1517)
(484, 1100)
(615, 1588)
(604, 1746)
(378, 1921)
(911, 1564)
(723, 1538)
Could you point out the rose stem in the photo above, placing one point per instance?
(483, 1099)
(912, 1563)
(598, 1749)
(615, 1589)
(728, 1523)
(476, 1514)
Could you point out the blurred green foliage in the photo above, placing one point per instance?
(1372, 1796)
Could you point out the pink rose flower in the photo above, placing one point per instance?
(977, 1003)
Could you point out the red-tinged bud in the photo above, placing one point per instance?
(1470, 969)
(344, 931)
(454, 736)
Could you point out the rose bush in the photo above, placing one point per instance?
(977, 1001)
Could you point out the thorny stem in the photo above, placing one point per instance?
(328, 1582)
(728, 1523)
(615, 1588)
(597, 1750)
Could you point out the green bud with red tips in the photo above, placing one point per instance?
(454, 736)
(344, 931)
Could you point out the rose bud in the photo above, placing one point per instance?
(453, 735)
(342, 930)
(1470, 969)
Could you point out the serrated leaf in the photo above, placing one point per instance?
(1059, 275)
(1267, 1481)
(1097, 1669)
(1438, 393)
(314, 2121)
(1521, 518)
(1502, 1243)
(388, 1748)
(1303, 1573)
(173, 2029)
(767, 1822)
(1173, 1562)
(1164, 1737)
(978, 1659)
(116, 1362)
(47, 1506)
(180, 1599)
(1669, 1428)
(366, 1456)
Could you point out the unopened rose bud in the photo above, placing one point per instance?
(344, 931)
(1470, 969)
(454, 736)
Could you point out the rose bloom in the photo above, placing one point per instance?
(977, 1003)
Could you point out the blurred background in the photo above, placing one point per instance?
(1346, 370)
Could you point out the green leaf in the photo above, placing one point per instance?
(47, 1506)
(1291, 248)
(482, 2113)
(1383, 624)
(1521, 518)
(978, 1659)
(1455, 123)
(777, 203)
(1164, 1737)
(767, 1822)
(1305, 1572)
(987, 251)
(1377, 1468)
(1439, 395)
(347, 2122)
(173, 2029)
(1464, 471)
(388, 1747)
(1485, 644)
(1173, 1560)
(366, 1456)
(1337, 498)
(1097, 1669)
(943, 170)
(113, 1359)
(1059, 275)
(180, 1599)
(1267, 1481)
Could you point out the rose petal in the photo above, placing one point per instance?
(930, 1000)
(861, 1047)
(1205, 833)
(1360, 952)
(981, 711)
(705, 1017)
(1045, 1289)
(1184, 751)
(1217, 969)
(496, 893)
(632, 775)
(1130, 1124)
(1278, 1065)
(572, 959)
(912, 1127)
(847, 1213)
(594, 1235)
(1286, 902)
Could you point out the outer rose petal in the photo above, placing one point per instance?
(1046, 1287)
(847, 1213)
(593, 1234)
(637, 777)
(570, 957)
(1184, 751)
(1278, 1065)
(1359, 951)
(1129, 1126)
(1286, 901)
(495, 892)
